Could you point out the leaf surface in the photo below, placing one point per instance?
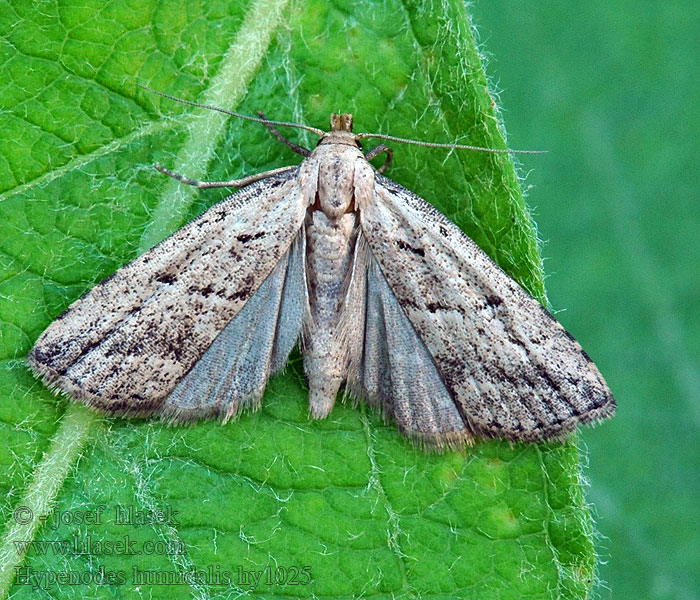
(256, 505)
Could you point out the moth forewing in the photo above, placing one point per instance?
(125, 344)
(510, 368)
(386, 295)
(233, 371)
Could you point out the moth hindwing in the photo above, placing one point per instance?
(387, 296)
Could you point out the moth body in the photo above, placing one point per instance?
(329, 264)
(332, 228)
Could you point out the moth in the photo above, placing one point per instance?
(383, 293)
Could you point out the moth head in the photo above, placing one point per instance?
(341, 122)
(340, 132)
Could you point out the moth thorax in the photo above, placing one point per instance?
(336, 176)
(341, 122)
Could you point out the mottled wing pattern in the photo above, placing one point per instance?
(394, 371)
(126, 343)
(232, 373)
(510, 368)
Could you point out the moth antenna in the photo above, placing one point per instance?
(391, 138)
(318, 132)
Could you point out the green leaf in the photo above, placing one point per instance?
(338, 508)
